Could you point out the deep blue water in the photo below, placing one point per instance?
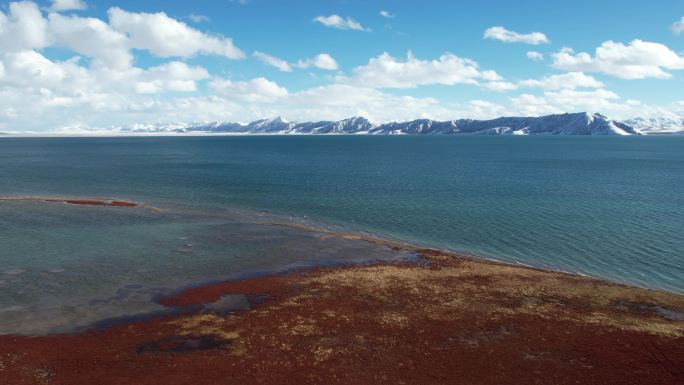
(610, 207)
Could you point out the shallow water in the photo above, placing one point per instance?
(608, 207)
(80, 265)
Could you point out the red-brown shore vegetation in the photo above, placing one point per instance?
(93, 202)
(76, 201)
(444, 320)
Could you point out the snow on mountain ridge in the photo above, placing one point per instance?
(658, 125)
(582, 123)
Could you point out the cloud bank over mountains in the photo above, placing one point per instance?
(98, 81)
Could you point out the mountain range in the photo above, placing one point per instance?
(581, 123)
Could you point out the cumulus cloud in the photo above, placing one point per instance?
(33, 71)
(23, 28)
(570, 80)
(339, 101)
(387, 14)
(101, 84)
(39, 91)
(555, 102)
(678, 26)
(255, 90)
(385, 71)
(167, 37)
(637, 60)
(173, 76)
(536, 56)
(323, 61)
(330, 102)
(339, 22)
(30, 72)
(499, 86)
(273, 61)
(502, 34)
(68, 5)
(55, 94)
(91, 37)
(65, 94)
(106, 86)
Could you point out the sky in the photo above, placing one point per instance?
(69, 65)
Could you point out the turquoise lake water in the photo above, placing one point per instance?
(611, 207)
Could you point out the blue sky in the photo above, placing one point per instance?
(120, 63)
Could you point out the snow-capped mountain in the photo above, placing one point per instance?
(660, 125)
(581, 123)
(562, 124)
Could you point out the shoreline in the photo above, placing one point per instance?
(320, 228)
(445, 318)
(395, 243)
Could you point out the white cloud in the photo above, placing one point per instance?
(384, 71)
(39, 90)
(323, 61)
(101, 85)
(536, 56)
(339, 101)
(39, 94)
(502, 34)
(500, 86)
(554, 102)
(331, 102)
(255, 90)
(273, 61)
(481, 109)
(68, 5)
(678, 26)
(173, 76)
(23, 28)
(91, 37)
(637, 60)
(29, 70)
(570, 80)
(387, 14)
(66, 94)
(197, 18)
(336, 21)
(167, 37)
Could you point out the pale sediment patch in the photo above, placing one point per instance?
(207, 325)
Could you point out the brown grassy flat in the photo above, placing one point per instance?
(451, 320)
